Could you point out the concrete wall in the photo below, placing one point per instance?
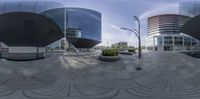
(25, 53)
(25, 49)
(23, 56)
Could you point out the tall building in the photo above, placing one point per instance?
(81, 26)
(189, 8)
(28, 26)
(89, 24)
(164, 34)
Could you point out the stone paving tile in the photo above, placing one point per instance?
(66, 76)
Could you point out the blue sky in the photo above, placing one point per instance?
(119, 13)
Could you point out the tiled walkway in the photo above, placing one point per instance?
(63, 76)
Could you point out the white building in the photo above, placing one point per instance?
(164, 34)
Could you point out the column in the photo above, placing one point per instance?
(0, 51)
(163, 43)
(173, 42)
(183, 48)
(190, 44)
(65, 23)
(37, 52)
(153, 43)
(196, 46)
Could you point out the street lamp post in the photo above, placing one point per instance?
(137, 33)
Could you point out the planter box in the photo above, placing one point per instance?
(109, 58)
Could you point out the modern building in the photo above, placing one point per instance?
(30, 26)
(120, 45)
(192, 9)
(192, 27)
(189, 8)
(89, 24)
(81, 26)
(164, 34)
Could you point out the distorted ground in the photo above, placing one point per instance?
(64, 76)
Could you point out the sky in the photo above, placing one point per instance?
(119, 13)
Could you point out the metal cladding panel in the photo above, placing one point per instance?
(191, 27)
(88, 21)
(34, 6)
(85, 43)
(28, 29)
(166, 24)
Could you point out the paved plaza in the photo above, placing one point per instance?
(64, 76)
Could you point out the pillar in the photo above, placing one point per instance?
(153, 43)
(173, 43)
(183, 49)
(163, 43)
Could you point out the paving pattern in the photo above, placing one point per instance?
(64, 76)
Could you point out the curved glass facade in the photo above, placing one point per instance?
(57, 15)
(85, 20)
(88, 21)
(189, 8)
(34, 6)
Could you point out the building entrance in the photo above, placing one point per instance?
(168, 48)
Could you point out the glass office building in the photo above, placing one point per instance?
(189, 8)
(88, 22)
(85, 22)
(164, 34)
(82, 27)
(34, 6)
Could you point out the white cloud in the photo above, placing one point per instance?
(114, 26)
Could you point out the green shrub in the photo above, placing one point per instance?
(131, 50)
(110, 52)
